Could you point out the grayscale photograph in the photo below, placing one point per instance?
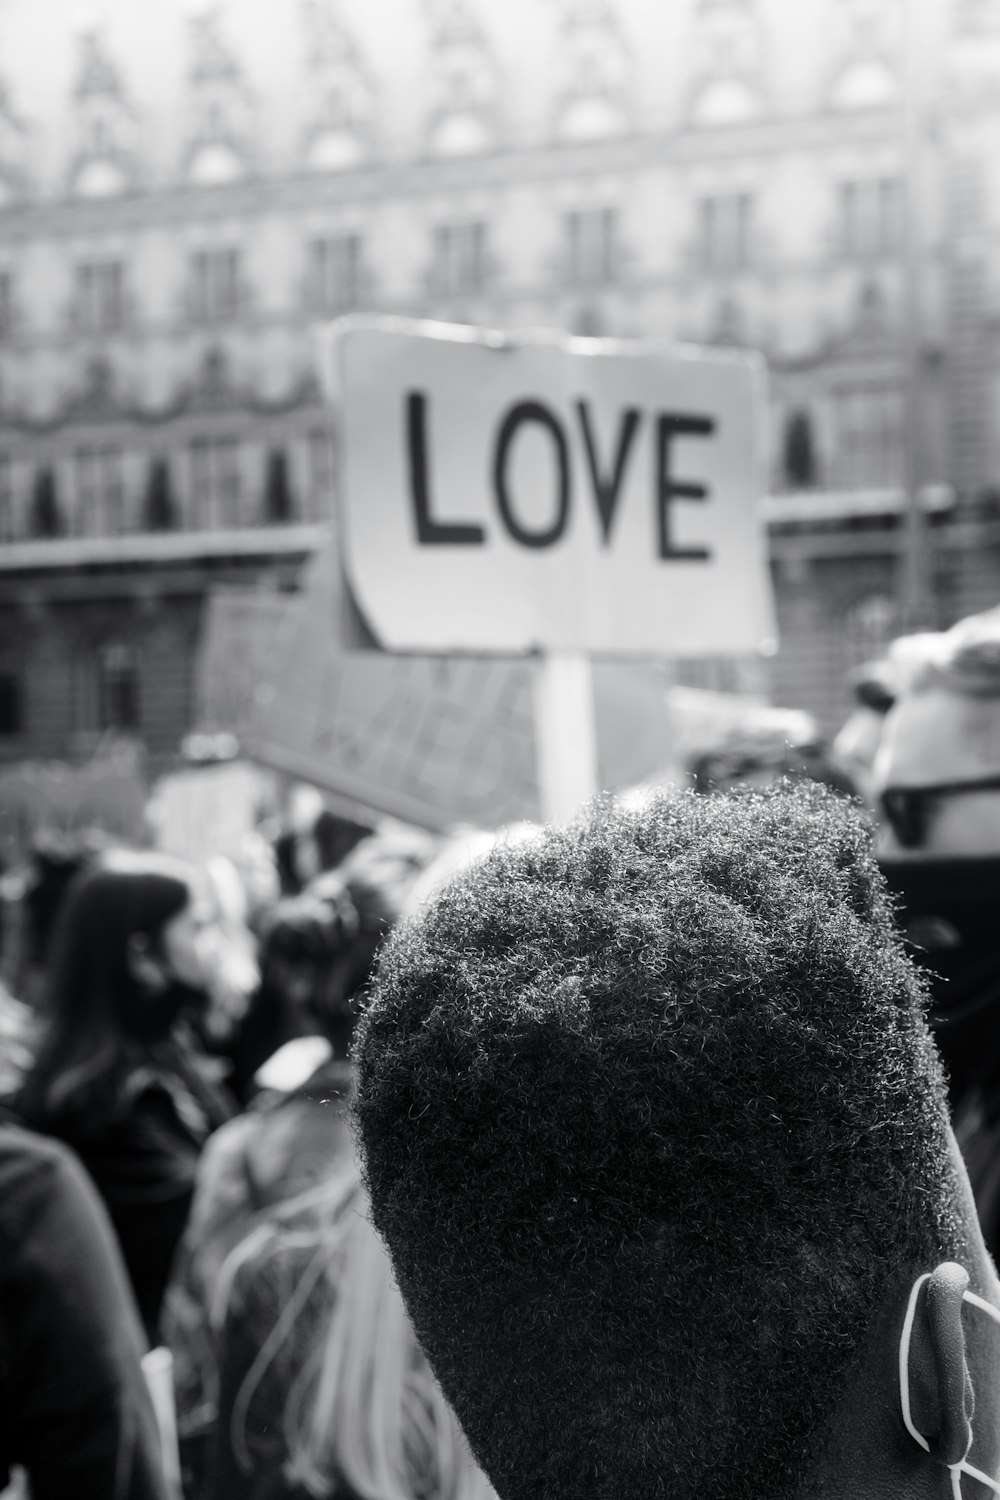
(499, 749)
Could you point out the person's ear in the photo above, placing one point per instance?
(143, 966)
(940, 1386)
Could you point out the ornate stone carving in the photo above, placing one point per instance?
(221, 104)
(465, 81)
(213, 387)
(341, 87)
(593, 72)
(105, 127)
(729, 84)
(97, 399)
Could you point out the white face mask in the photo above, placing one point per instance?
(962, 1467)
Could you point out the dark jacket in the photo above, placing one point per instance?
(74, 1410)
(143, 1160)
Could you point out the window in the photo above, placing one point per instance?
(460, 259)
(6, 303)
(159, 513)
(216, 286)
(8, 524)
(869, 438)
(45, 516)
(100, 492)
(216, 482)
(11, 704)
(871, 216)
(800, 467)
(117, 687)
(590, 246)
(100, 296)
(335, 266)
(726, 231)
(279, 501)
(321, 471)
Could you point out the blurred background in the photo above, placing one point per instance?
(186, 189)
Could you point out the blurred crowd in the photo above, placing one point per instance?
(193, 1300)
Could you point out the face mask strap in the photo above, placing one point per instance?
(963, 1467)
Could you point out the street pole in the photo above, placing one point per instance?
(914, 581)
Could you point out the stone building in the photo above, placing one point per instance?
(186, 189)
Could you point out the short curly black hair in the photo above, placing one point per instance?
(652, 1124)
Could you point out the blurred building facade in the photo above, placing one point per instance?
(187, 189)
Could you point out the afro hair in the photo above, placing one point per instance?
(652, 1125)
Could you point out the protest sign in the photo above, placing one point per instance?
(433, 740)
(505, 494)
(243, 635)
(107, 795)
(202, 811)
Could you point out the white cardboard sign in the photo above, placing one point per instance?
(506, 493)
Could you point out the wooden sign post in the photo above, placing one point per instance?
(565, 738)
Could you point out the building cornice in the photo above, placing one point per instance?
(427, 177)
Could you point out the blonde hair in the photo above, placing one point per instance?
(363, 1406)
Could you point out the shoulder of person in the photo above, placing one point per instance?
(31, 1166)
(221, 1185)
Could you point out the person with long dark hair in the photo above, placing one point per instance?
(116, 1073)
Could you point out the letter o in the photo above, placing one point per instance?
(531, 411)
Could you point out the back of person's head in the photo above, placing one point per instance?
(305, 942)
(319, 841)
(317, 948)
(99, 1012)
(378, 876)
(339, 1372)
(652, 1127)
(335, 836)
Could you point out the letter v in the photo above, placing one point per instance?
(606, 489)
